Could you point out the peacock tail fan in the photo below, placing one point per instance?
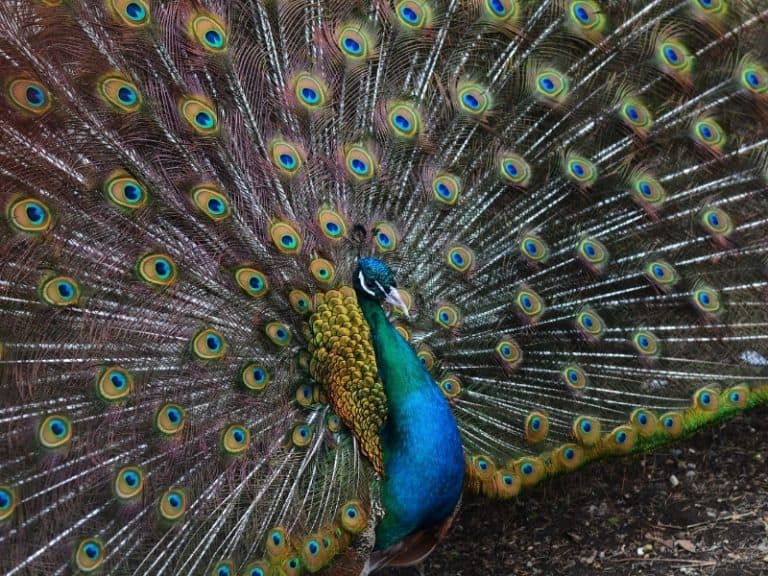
(573, 196)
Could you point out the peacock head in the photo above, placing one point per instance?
(374, 280)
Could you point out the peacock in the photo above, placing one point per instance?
(282, 280)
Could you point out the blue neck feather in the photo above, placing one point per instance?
(423, 458)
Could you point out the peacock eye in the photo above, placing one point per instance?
(364, 284)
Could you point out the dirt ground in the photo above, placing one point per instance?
(627, 516)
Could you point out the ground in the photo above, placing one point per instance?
(697, 508)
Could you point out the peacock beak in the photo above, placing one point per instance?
(394, 298)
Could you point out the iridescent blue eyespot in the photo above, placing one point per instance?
(511, 169)
(132, 192)
(310, 96)
(91, 550)
(236, 439)
(353, 46)
(127, 95)
(661, 274)
(65, 289)
(57, 427)
(471, 101)
(675, 57)
(5, 499)
(214, 38)
(170, 419)
(29, 95)
(671, 54)
(128, 483)
(88, 556)
(216, 206)
(35, 96)
(278, 333)
(119, 381)
(481, 466)
(173, 414)
(446, 189)
(163, 268)
(204, 119)
(213, 342)
(131, 478)
(498, 7)
(705, 132)
(287, 161)
(402, 122)
(209, 344)
(209, 32)
(135, 12)
(310, 90)
(409, 14)
(358, 166)
(35, 213)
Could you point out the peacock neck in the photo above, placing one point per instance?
(421, 445)
(393, 356)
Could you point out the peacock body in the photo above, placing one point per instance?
(206, 363)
